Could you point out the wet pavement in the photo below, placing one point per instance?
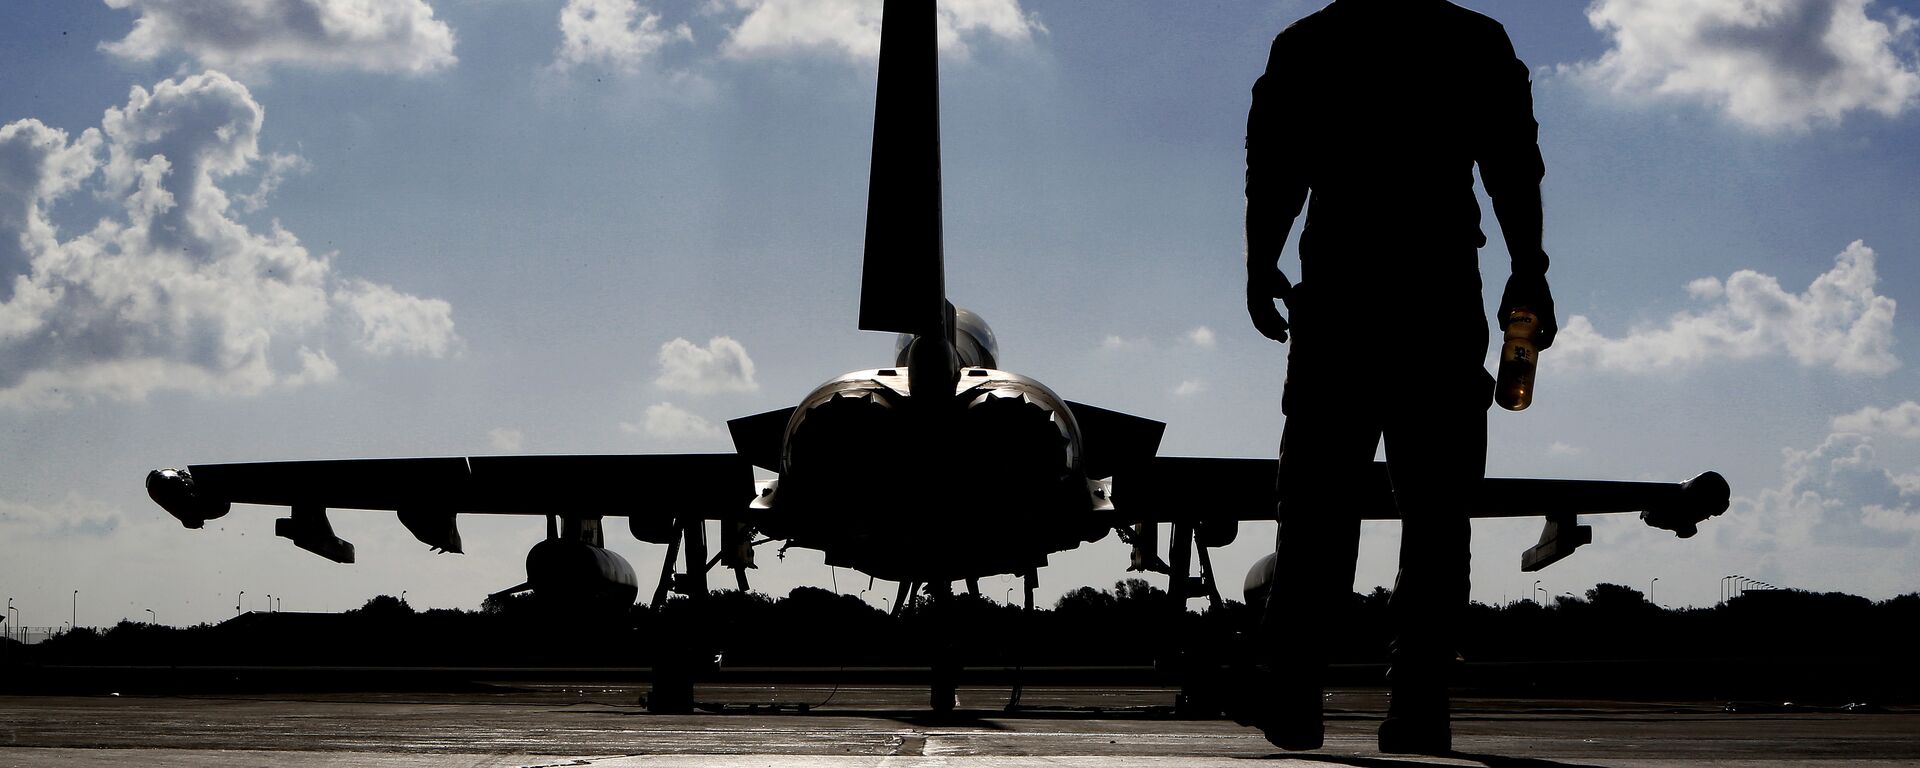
(604, 726)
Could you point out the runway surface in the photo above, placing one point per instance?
(603, 726)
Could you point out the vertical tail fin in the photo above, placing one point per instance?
(903, 285)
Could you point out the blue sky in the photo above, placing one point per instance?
(426, 227)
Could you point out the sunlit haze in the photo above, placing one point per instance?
(462, 227)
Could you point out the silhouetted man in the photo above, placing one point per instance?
(1379, 110)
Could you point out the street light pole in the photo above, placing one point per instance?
(153, 617)
(75, 623)
(1650, 584)
(236, 602)
(1537, 591)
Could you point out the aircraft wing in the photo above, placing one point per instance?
(427, 492)
(1202, 490)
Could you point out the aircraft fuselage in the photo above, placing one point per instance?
(985, 480)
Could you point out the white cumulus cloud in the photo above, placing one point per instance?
(1902, 420)
(506, 440)
(1564, 450)
(671, 422)
(1838, 321)
(71, 516)
(721, 366)
(249, 36)
(616, 34)
(278, 168)
(171, 292)
(1839, 493)
(395, 323)
(1768, 64)
(1201, 337)
(851, 28)
(1189, 388)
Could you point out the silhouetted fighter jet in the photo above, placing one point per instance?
(939, 467)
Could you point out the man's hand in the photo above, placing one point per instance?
(1262, 289)
(1530, 291)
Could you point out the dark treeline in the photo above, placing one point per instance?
(1792, 633)
(808, 627)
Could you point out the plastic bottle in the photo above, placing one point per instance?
(1513, 387)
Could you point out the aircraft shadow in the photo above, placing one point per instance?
(1490, 761)
(982, 719)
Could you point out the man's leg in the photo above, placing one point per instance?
(1436, 455)
(1325, 456)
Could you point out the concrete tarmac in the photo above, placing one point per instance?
(603, 726)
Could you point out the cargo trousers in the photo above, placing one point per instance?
(1368, 365)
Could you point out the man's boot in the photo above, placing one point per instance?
(1417, 721)
(1285, 709)
(1295, 721)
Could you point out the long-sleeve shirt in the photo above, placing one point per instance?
(1380, 110)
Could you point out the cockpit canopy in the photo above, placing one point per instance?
(972, 339)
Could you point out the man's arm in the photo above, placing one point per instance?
(1511, 168)
(1519, 211)
(1276, 191)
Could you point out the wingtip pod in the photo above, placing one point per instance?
(1706, 495)
(173, 490)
